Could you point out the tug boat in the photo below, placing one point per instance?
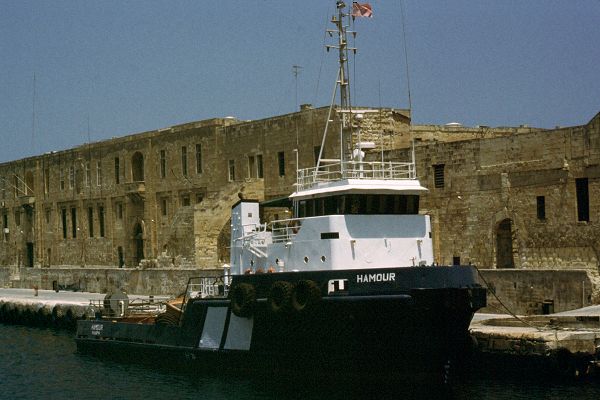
(348, 285)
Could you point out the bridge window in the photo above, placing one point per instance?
(359, 204)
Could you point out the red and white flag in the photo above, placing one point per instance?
(361, 10)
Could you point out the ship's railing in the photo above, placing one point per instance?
(280, 231)
(206, 286)
(308, 177)
(120, 308)
(284, 230)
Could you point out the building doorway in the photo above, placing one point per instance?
(138, 238)
(504, 245)
(30, 259)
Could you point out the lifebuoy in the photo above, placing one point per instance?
(306, 294)
(243, 298)
(280, 297)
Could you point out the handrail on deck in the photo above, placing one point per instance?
(379, 170)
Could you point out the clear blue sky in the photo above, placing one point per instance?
(132, 66)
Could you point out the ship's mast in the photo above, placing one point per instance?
(343, 81)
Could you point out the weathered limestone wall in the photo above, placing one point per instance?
(525, 291)
(488, 182)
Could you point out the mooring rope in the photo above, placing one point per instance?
(493, 292)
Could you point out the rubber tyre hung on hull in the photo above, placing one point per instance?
(280, 297)
(305, 295)
(243, 299)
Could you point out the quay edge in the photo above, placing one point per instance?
(556, 345)
(49, 309)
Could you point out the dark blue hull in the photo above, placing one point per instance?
(414, 323)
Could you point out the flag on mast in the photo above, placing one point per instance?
(361, 10)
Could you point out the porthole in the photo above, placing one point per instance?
(323, 259)
(305, 260)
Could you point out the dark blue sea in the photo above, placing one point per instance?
(44, 364)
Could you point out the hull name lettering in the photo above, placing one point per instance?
(382, 277)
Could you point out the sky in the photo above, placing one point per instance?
(73, 71)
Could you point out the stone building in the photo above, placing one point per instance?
(528, 199)
(499, 197)
(159, 198)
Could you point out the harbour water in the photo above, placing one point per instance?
(43, 364)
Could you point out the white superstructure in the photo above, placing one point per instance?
(349, 222)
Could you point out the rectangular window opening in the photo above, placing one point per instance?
(184, 161)
(163, 164)
(281, 163)
(74, 223)
(259, 166)
(198, 158)
(63, 215)
(583, 199)
(163, 207)
(99, 173)
(91, 221)
(185, 201)
(117, 171)
(438, 176)
(251, 167)
(541, 208)
(46, 180)
(62, 179)
(231, 169)
(101, 220)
